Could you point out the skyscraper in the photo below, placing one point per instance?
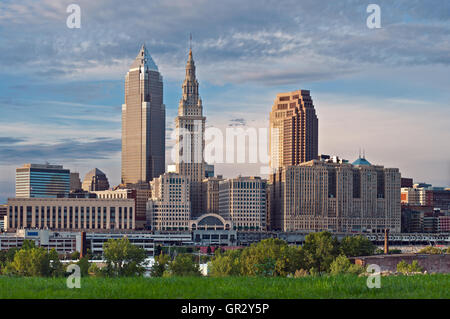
(42, 180)
(294, 129)
(143, 122)
(190, 129)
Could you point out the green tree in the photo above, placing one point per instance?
(225, 264)
(31, 262)
(342, 265)
(287, 259)
(320, 249)
(7, 256)
(123, 258)
(183, 265)
(266, 268)
(160, 265)
(352, 246)
(56, 267)
(28, 244)
(84, 265)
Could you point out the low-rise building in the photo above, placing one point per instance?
(70, 213)
(140, 193)
(62, 242)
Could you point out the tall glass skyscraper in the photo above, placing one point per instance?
(143, 122)
(42, 180)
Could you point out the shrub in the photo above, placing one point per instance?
(431, 250)
(226, 264)
(183, 265)
(405, 268)
(160, 265)
(94, 269)
(342, 265)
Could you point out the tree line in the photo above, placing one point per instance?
(321, 253)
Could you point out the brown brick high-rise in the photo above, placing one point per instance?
(294, 129)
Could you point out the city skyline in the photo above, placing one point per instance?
(78, 123)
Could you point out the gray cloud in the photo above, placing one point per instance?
(237, 122)
(67, 149)
(5, 140)
(299, 36)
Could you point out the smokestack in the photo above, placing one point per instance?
(386, 241)
(83, 244)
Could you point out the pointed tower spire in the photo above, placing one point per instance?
(144, 59)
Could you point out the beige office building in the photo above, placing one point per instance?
(190, 130)
(294, 133)
(169, 207)
(338, 197)
(70, 213)
(210, 191)
(140, 194)
(143, 122)
(243, 201)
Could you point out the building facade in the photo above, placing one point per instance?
(3, 211)
(95, 180)
(62, 242)
(242, 200)
(139, 193)
(436, 197)
(337, 197)
(42, 180)
(169, 207)
(190, 131)
(294, 132)
(75, 182)
(210, 191)
(70, 214)
(143, 122)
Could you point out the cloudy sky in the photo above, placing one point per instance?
(385, 90)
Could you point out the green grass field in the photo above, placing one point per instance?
(345, 286)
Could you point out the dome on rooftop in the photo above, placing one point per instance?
(361, 161)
